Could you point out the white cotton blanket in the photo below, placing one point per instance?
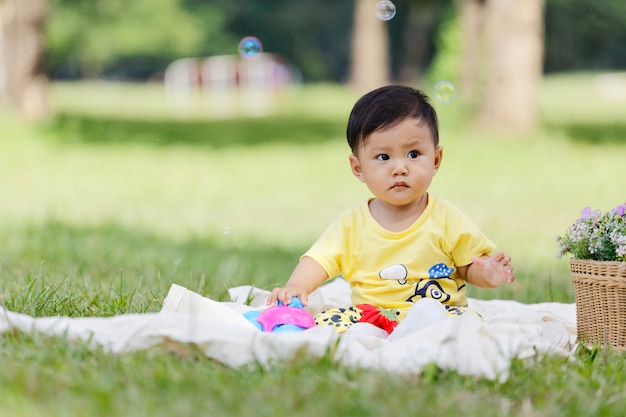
(219, 330)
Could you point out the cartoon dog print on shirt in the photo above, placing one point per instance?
(436, 287)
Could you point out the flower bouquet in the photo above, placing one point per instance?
(597, 243)
(596, 235)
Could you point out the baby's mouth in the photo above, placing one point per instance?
(400, 184)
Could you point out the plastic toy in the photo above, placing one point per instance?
(282, 318)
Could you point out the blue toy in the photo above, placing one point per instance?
(282, 318)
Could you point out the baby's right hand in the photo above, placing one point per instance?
(284, 295)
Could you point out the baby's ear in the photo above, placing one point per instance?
(355, 166)
(438, 157)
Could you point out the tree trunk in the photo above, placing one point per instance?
(513, 34)
(471, 20)
(502, 62)
(23, 83)
(370, 63)
(416, 42)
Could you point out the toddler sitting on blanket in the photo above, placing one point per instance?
(407, 254)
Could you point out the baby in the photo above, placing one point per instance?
(406, 253)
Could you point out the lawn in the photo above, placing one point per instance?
(112, 200)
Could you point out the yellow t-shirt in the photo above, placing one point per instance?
(393, 270)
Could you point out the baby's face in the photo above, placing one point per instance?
(398, 164)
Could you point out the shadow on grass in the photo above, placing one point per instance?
(593, 133)
(58, 269)
(68, 128)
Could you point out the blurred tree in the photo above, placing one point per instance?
(513, 41)
(413, 32)
(583, 35)
(316, 35)
(397, 50)
(311, 34)
(471, 24)
(23, 83)
(493, 51)
(87, 36)
(369, 64)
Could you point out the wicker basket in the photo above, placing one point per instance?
(600, 290)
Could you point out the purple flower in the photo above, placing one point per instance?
(596, 235)
(587, 213)
(620, 210)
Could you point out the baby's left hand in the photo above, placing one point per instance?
(495, 270)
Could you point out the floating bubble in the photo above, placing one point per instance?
(444, 91)
(385, 10)
(250, 47)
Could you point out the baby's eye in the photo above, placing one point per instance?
(413, 154)
(382, 157)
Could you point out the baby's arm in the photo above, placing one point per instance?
(488, 271)
(305, 278)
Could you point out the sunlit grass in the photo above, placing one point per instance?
(150, 101)
(107, 205)
(520, 191)
(584, 98)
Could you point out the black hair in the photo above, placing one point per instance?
(384, 108)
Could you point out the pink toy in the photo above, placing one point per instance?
(283, 318)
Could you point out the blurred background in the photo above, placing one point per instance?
(145, 143)
(203, 140)
(493, 51)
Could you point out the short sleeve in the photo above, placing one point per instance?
(329, 251)
(464, 238)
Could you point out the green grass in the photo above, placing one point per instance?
(43, 377)
(108, 203)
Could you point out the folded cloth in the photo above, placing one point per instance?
(218, 329)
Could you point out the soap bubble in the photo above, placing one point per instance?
(444, 91)
(385, 10)
(250, 47)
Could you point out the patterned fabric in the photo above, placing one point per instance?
(339, 318)
(342, 318)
